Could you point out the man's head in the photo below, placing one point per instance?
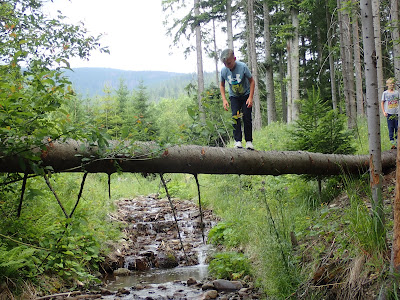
(228, 58)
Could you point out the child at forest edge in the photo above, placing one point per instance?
(241, 91)
(390, 106)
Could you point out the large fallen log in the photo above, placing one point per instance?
(73, 156)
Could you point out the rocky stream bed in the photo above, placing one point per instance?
(149, 263)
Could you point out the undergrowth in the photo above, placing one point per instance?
(43, 241)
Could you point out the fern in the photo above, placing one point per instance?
(13, 261)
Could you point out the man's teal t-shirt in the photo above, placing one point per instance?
(238, 79)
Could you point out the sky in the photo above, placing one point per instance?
(134, 32)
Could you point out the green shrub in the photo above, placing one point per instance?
(229, 265)
(223, 234)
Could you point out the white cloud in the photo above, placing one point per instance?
(133, 31)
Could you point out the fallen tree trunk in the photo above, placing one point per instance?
(73, 156)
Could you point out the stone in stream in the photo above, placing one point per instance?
(123, 291)
(210, 294)
(191, 281)
(226, 285)
(105, 292)
(166, 260)
(138, 263)
(138, 287)
(207, 286)
(122, 272)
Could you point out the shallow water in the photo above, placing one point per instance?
(159, 283)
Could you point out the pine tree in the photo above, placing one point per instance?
(141, 126)
(321, 129)
(122, 96)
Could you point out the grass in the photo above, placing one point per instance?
(361, 135)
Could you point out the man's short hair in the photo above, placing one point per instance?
(226, 54)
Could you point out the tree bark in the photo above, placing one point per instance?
(74, 156)
(229, 24)
(357, 64)
(283, 88)
(374, 136)
(269, 76)
(289, 75)
(395, 255)
(257, 121)
(395, 259)
(200, 73)
(295, 69)
(215, 55)
(347, 63)
(330, 55)
(394, 25)
(378, 45)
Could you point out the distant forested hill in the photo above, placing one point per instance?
(90, 82)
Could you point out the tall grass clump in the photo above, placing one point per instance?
(362, 229)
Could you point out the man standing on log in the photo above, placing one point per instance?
(241, 91)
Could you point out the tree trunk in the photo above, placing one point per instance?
(257, 122)
(343, 57)
(283, 89)
(394, 25)
(200, 73)
(374, 137)
(349, 70)
(331, 61)
(319, 48)
(347, 65)
(269, 76)
(215, 55)
(229, 24)
(395, 257)
(289, 82)
(357, 65)
(295, 76)
(395, 261)
(74, 156)
(378, 46)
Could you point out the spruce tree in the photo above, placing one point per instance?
(320, 129)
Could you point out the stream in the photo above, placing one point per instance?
(154, 265)
(149, 263)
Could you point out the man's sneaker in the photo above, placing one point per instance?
(238, 144)
(249, 145)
